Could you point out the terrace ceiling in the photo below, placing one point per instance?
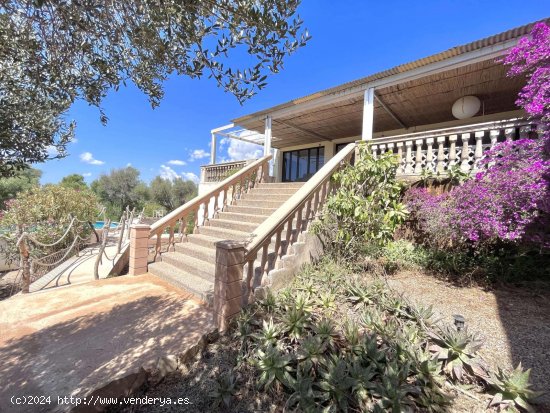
(421, 101)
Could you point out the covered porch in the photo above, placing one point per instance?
(435, 113)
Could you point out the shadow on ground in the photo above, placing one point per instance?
(77, 355)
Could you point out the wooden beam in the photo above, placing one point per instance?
(389, 111)
(309, 132)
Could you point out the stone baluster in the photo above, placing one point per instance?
(429, 154)
(510, 134)
(400, 166)
(440, 154)
(494, 134)
(478, 153)
(374, 151)
(408, 158)
(524, 131)
(382, 147)
(390, 147)
(452, 150)
(465, 155)
(418, 163)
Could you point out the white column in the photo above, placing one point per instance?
(213, 149)
(267, 136)
(368, 114)
(452, 150)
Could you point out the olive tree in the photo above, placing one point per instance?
(54, 52)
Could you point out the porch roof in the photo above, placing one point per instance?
(416, 93)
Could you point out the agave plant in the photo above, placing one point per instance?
(512, 388)
(224, 389)
(336, 383)
(360, 294)
(295, 321)
(327, 301)
(326, 331)
(310, 352)
(304, 395)
(457, 352)
(269, 303)
(395, 394)
(275, 367)
(268, 334)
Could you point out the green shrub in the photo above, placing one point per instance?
(365, 207)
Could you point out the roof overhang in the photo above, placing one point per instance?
(415, 93)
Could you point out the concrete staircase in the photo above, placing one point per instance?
(192, 265)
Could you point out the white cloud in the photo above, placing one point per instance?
(190, 176)
(87, 174)
(128, 164)
(198, 154)
(74, 140)
(168, 173)
(89, 158)
(240, 150)
(177, 162)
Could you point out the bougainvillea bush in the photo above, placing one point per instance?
(506, 204)
(502, 203)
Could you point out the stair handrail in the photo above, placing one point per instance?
(311, 196)
(238, 184)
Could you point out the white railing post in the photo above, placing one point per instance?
(408, 158)
(400, 167)
(440, 154)
(418, 166)
(452, 150)
(478, 153)
(429, 154)
(465, 155)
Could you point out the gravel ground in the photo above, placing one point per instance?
(514, 320)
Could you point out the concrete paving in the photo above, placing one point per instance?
(72, 340)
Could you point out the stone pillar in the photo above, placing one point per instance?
(440, 154)
(228, 284)
(139, 248)
(418, 166)
(452, 150)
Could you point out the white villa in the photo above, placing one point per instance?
(416, 110)
(248, 229)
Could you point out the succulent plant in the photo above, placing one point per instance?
(457, 352)
(224, 389)
(326, 331)
(274, 366)
(512, 388)
(310, 352)
(336, 383)
(268, 334)
(295, 321)
(360, 294)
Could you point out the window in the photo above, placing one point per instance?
(340, 146)
(299, 166)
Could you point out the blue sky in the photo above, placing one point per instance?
(350, 39)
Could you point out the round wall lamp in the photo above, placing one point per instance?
(466, 107)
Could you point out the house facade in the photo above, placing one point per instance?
(434, 113)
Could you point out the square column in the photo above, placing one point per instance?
(368, 115)
(213, 149)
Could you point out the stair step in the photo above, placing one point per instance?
(250, 210)
(265, 196)
(203, 240)
(264, 203)
(197, 286)
(295, 185)
(234, 225)
(235, 216)
(224, 233)
(201, 252)
(274, 191)
(195, 266)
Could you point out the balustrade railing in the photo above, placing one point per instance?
(220, 171)
(440, 150)
(291, 219)
(186, 219)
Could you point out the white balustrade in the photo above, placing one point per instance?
(439, 150)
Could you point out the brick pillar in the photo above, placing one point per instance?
(228, 291)
(139, 248)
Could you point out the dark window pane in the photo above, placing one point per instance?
(302, 165)
(313, 156)
(321, 157)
